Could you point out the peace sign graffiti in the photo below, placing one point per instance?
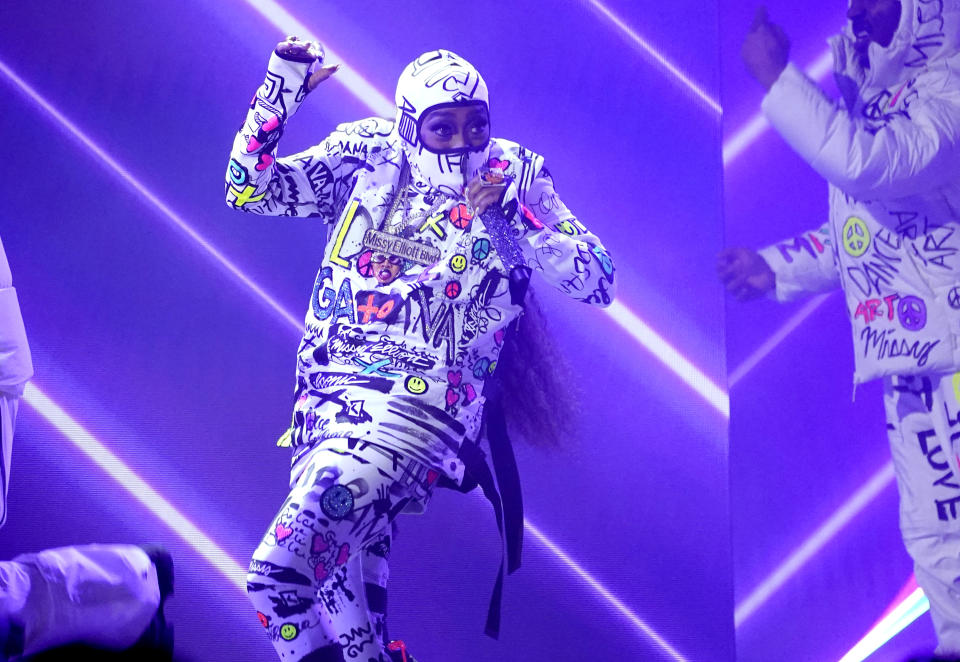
(481, 248)
(954, 298)
(912, 312)
(856, 236)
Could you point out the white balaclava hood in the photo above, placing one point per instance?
(439, 78)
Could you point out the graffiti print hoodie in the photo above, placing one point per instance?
(412, 300)
(890, 150)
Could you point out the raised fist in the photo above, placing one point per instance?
(765, 50)
(292, 48)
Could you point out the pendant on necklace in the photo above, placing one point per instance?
(408, 249)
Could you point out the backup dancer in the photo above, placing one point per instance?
(890, 150)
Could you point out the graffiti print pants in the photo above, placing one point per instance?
(318, 578)
(923, 423)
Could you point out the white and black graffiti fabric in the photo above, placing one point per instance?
(891, 152)
(435, 80)
(923, 425)
(318, 577)
(408, 313)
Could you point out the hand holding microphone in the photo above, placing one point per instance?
(489, 194)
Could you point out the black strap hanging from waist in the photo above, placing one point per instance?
(507, 502)
(508, 480)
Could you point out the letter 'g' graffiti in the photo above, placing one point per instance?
(325, 301)
(323, 307)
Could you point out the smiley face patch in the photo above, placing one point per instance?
(336, 502)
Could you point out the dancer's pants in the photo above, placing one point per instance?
(923, 422)
(103, 595)
(318, 578)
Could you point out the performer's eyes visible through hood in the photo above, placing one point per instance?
(874, 20)
(443, 120)
(455, 127)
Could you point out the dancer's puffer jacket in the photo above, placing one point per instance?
(398, 355)
(16, 368)
(891, 154)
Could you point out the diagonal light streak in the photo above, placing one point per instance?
(657, 57)
(738, 143)
(777, 337)
(669, 356)
(232, 570)
(175, 219)
(138, 488)
(180, 224)
(905, 613)
(850, 508)
(356, 84)
(661, 643)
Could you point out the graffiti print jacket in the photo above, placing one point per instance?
(890, 151)
(397, 351)
(16, 368)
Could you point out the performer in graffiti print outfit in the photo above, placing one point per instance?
(435, 228)
(891, 154)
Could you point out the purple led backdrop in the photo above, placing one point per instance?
(800, 445)
(178, 368)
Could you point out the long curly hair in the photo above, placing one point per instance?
(533, 381)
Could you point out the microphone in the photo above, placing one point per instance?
(506, 246)
(503, 241)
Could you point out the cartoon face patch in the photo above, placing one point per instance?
(385, 268)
